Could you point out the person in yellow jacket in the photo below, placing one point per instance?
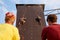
(7, 30)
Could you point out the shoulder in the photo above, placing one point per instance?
(45, 29)
(9, 26)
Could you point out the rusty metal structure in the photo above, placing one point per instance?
(30, 21)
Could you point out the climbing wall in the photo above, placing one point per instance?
(30, 20)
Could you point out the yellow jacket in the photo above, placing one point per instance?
(8, 32)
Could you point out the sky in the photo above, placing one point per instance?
(10, 5)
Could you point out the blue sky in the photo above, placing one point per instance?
(10, 5)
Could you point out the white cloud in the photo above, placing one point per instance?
(43, 1)
(52, 4)
(1, 2)
(4, 9)
(15, 1)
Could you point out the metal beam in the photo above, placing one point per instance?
(52, 10)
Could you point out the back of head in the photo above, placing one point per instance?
(9, 17)
(52, 18)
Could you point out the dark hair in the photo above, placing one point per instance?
(52, 18)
